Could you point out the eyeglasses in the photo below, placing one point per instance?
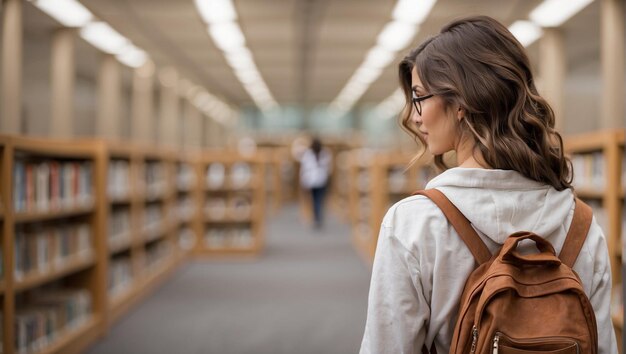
(417, 102)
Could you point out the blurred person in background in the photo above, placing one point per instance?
(315, 168)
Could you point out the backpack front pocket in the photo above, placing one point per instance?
(503, 344)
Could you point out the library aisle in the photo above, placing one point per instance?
(307, 293)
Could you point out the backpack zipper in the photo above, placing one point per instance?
(474, 339)
(496, 341)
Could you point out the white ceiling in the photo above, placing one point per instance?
(305, 50)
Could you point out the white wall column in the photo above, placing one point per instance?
(142, 109)
(169, 115)
(612, 62)
(109, 97)
(12, 36)
(552, 70)
(193, 126)
(63, 77)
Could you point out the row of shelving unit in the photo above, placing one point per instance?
(379, 180)
(90, 227)
(599, 166)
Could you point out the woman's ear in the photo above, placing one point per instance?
(460, 113)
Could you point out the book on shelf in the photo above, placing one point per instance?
(185, 207)
(155, 179)
(50, 185)
(600, 213)
(118, 179)
(46, 315)
(39, 248)
(215, 208)
(240, 207)
(215, 175)
(120, 275)
(363, 181)
(186, 238)
(185, 177)
(153, 218)
(240, 174)
(119, 225)
(397, 179)
(589, 170)
(228, 237)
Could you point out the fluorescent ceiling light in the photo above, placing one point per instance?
(221, 17)
(215, 11)
(69, 13)
(526, 32)
(396, 35)
(379, 57)
(240, 61)
(249, 76)
(368, 75)
(103, 37)
(227, 35)
(412, 11)
(132, 56)
(553, 13)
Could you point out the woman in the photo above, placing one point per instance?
(470, 90)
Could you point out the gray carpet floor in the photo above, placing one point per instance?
(307, 293)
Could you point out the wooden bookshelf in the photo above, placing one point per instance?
(230, 182)
(67, 177)
(360, 171)
(149, 173)
(336, 194)
(597, 159)
(380, 180)
(188, 203)
(273, 159)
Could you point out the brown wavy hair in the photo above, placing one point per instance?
(477, 64)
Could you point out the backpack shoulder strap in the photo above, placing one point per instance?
(577, 233)
(460, 223)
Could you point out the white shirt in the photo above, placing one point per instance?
(421, 264)
(313, 172)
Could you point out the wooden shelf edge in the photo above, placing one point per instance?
(120, 246)
(228, 220)
(70, 338)
(226, 251)
(34, 280)
(586, 192)
(22, 217)
(120, 200)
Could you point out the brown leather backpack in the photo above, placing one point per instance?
(522, 304)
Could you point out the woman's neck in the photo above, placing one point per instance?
(470, 157)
